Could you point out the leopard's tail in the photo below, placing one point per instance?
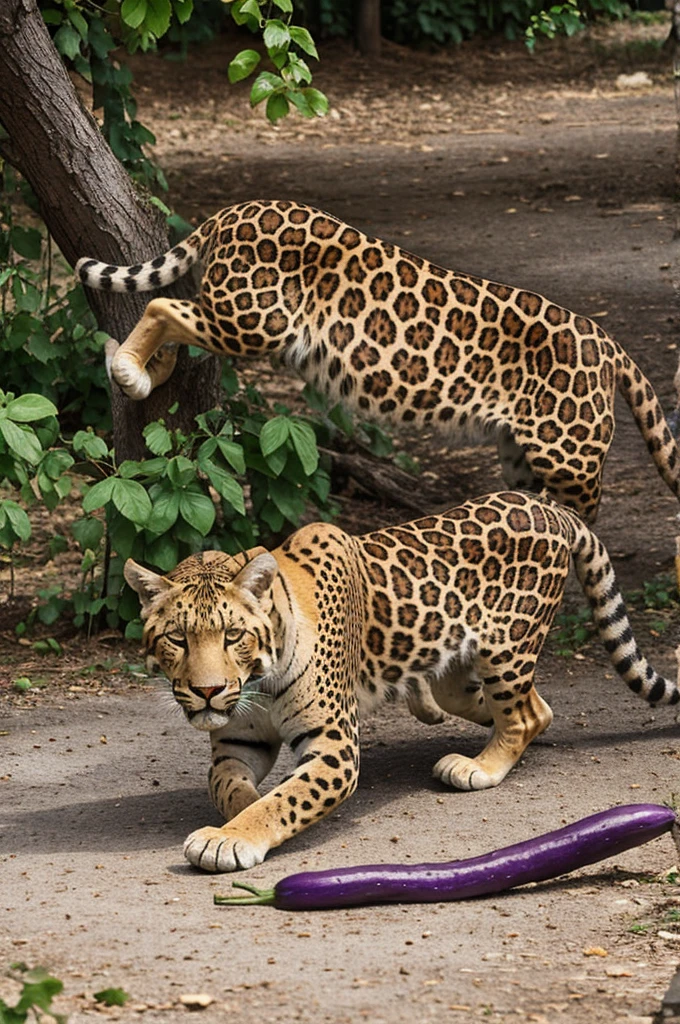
(649, 416)
(155, 273)
(596, 575)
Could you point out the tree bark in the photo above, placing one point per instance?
(367, 27)
(675, 40)
(90, 206)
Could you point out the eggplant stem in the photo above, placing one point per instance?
(257, 897)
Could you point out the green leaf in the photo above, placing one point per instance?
(30, 407)
(88, 532)
(279, 58)
(79, 23)
(342, 419)
(112, 997)
(298, 69)
(284, 5)
(299, 101)
(264, 85)
(197, 510)
(317, 101)
(158, 438)
(149, 468)
(288, 499)
(304, 443)
(134, 629)
(181, 471)
(56, 462)
(99, 495)
(21, 441)
(40, 346)
(47, 431)
(90, 444)
(302, 38)
(163, 553)
(133, 12)
(276, 35)
(273, 434)
(233, 453)
(277, 107)
(164, 511)
(188, 535)
(122, 534)
(272, 517)
(28, 241)
(243, 64)
(39, 989)
(246, 12)
(51, 16)
(57, 545)
(183, 10)
(158, 16)
(226, 486)
(67, 41)
(18, 520)
(131, 500)
(320, 484)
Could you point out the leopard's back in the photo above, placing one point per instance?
(401, 339)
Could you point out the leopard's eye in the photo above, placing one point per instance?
(177, 640)
(232, 636)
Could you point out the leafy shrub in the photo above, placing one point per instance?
(38, 990)
(241, 477)
(49, 341)
(413, 22)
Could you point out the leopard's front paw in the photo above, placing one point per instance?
(128, 373)
(223, 849)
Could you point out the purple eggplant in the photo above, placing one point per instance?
(534, 860)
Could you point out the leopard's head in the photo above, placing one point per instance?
(207, 624)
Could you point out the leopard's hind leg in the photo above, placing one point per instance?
(516, 471)
(519, 715)
(422, 704)
(572, 479)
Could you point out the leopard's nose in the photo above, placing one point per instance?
(207, 692)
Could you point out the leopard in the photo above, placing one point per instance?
(294, 646)
(397, 339)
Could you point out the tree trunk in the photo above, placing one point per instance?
(367, 27)
(675, 41)
(89, 205)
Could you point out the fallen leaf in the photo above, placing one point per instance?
(595, 951)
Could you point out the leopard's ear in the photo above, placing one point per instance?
(257, 575)
(144, 582)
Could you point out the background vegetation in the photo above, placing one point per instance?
(242, 473)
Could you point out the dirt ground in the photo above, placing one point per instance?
(534, 171)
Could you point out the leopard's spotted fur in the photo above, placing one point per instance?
(269, 648)
(397, 338)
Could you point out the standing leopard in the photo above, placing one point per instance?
(267, 648)
(396, 338)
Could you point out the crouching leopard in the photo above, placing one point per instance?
(396, 338)
(284, 647)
